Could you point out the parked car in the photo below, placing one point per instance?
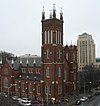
(89, 96)
(97, 93)
(98, 88)
(25, 102)
(3, 94)
(78, 102)
(15, 97)
(84, 98)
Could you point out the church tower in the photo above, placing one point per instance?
(52, 55)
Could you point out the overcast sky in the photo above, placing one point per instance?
(20, 23)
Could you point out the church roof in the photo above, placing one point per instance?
(26, 60)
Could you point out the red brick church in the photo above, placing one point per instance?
(51, 76)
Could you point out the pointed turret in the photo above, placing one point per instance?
(43, 14)
(50, 13)
(34, 62)
(27, 61)
(61, 14)
(20, 61)
(54, 11)
(1, 61)
(12, 63)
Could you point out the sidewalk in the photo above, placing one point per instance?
(70, 99)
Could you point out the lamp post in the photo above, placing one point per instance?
(85, 86)
(47, 93)
(89, 86)
(10, 87)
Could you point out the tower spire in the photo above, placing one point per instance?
(61, 14)
(54, 11)
(43, 13)
(50, 13)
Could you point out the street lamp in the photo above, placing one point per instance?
(89, 86)
(47, 93)
(10, 87)
(85, 86)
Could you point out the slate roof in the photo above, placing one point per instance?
(24, 59)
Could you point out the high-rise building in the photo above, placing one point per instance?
(86, 50)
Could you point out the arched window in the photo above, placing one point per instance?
(48, 37)
(45, 37)
(23, 87)
(59, 89)
(65, 78)
(60, 37)
(66, 56)
(56, 37)
(51, 36)
(59, 72)
(5, 83)
(47, 53)
(47, 72)
(38, 89)
(17, 86)
(30, 87)
(59, 53)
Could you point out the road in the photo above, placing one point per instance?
(95, 101)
